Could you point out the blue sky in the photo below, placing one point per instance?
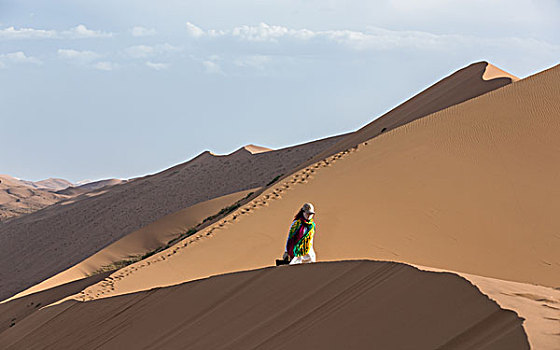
(98, 89)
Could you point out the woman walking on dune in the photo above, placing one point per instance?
(299, 247)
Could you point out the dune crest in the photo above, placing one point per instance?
(254, 149)
(493, 72)
(90, 186)
(463, 85)
(353, 304)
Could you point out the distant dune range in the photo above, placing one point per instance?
(90, 186)
(462, 177)
(19, 197)
(339, 305)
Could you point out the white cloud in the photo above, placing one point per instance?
(212, 67)
(142, 31)
(17, 58)
(142, 51)
(105, 66)
(78, 32)
(252, 61)
(71, 54)
(26, 33)
(262, 32)
(81, 31)
(265, 32)
(157, 66)
(373, 38)
(194, 31)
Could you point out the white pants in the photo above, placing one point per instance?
(305, 259)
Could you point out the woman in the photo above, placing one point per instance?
(299, 247)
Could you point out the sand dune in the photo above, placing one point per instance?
(140, 201)
(257, 149)
(15, 311)
(42, 244)
(90, 186)
(444, 191)
(53, 184)
(465, 84)
(455, 190)
(342, 305)
(473, 188)
(19, 197)
(539, 306)
(143, 241)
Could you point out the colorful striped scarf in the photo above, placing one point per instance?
(300, 237)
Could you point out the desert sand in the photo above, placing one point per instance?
(451, 181)
(145, 200)
(443, 191)
(439, 192)
(341, 305)
(138, 243)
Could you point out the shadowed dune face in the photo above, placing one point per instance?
(44, 243)
(342, 305)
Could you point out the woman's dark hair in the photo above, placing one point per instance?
(299, 215)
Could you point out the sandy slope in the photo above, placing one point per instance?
(15, 311)
(142, 241)
(342, 305)
(539, 306)
(44, 243)
(473, 188)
